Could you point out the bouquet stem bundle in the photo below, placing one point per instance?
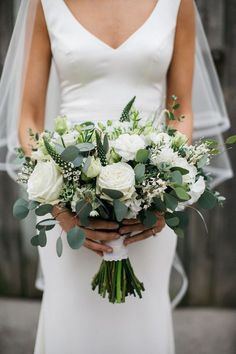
(117, 280)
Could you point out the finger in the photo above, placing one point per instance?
(160, 222)
(98, 224)
(97, 247)
(131, 228)
(142, 236)
(101, 235)
(130, 221)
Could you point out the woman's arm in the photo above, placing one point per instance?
(36, 81)
(180, 73)
(32, 116)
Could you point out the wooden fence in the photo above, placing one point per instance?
(210, 261)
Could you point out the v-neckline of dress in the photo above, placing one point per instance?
(104, 44)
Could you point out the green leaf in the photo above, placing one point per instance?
(59, 246)
(85, 147)
(202, 162)
(75, 237)
(179, 232)
(148, 218)
(176, 177)
(120, 209)
(83, 209)
(207, 200)
(87, 164)
(33, 204)
(182, 170)
(142, 156)
(42, 238)
(47, 224)
(231, 140)
(113, 193)
(43, 209)
(139, 171)
(35, 241)
(170, 201)
(78, 161)
(20, 209)
(182, 194)
(159, 204)
(172, 221)
(106, 143)
(70, 153)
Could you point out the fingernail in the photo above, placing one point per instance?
(110, 250)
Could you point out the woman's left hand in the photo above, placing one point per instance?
(134, 225)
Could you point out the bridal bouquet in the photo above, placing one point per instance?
(116, 170)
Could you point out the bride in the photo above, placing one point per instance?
(102, 53)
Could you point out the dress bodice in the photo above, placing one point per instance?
(96, 81)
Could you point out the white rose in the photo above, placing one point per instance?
(45, 183)
(118, 176)
(127, 145)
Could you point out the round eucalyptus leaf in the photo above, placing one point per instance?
(142, 155)
(70, 153)
(172, 222)
(75, 237)
(42, 238)
(59, 246)
(85, 147)
(20, 209)
(149, 218)
(113, 193)
(43, 209)
(176, 177)
(181, 194)
(139, 171)
(207, 200)
(78, 161)
(35, 241)
(120, 209)
(170, 201)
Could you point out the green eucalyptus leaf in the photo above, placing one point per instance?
(43, 209)
(142, 156)
(78, 161)
(182, 170)
(231, 140)
(202, 162)
(120, 210)
(85, 147)
(47, 224)
(148, 218)
(139, 171)
(83, 210)
(159, 204)
(70, 153)
(170, 201)
(75, 237)
(113, 193)
(207, 200)
(179, 232)
(35, 241)
(87, 164)
(182, 194)
(172, 221)
(42, 238)
(176, 177)
(20, 209)
(59, 246)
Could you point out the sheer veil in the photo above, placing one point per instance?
(210, 114)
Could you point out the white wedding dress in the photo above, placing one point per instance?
(96, 82)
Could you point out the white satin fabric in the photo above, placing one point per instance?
(96, 82)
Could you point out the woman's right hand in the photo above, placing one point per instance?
(96, 231)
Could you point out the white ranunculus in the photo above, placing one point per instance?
(68, 138)
(127, 145)
(179, 139)
(45, 183)
(160, 139)
(166, 154)
(197, 189)
(118, 176)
